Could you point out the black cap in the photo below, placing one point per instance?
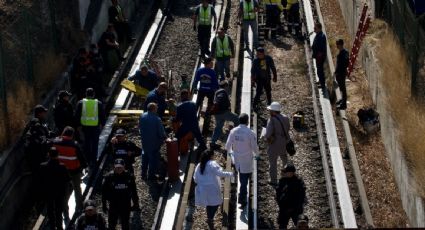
(207, 60)
(289, 168)
(120, 132)
(63, 93)
(119, 163)
(39, 109)
(260, 50)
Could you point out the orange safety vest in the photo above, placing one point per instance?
(67, 155)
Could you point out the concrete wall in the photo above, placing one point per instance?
(412, 204)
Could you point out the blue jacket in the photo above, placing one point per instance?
(149, 82)
(186, 114)
(153, 96)
(208, 79)
(151, 131)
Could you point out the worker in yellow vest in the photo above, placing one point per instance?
(273, 10)
(202, 22)
(91, 117)
(292, 9)
(247, 17)
(222, 49)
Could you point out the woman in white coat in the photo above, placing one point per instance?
(208, 185)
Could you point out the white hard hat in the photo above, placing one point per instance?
(274, 106)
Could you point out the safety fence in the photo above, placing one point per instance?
(410, 30)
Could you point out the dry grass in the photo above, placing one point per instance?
(407, 113)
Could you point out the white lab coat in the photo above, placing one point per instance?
(208, 185)
(242, 143)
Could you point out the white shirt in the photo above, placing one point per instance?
(208, 185)
(243, 143)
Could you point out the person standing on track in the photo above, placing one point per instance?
(261, 70)
(202, 20)
(208, 185)
(222, 49)
(277, 133)
(157, 96)
(119, 188)
(247, 17)
(187, 117)
(291, 197)
(222, 113)
(91, 118)
(54, 181)
(293, 11)
(242, 143)
(319, 53)
(153, 135)
(117, 17)
(71, 155)
(207, 78)
(145, 78)
(63, 112)
(273, 10)
(342, 62)
(124, 149)
(90, 219)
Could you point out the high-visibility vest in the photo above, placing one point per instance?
(204, 17)
(90, 112)
(222, 47)
(248, 10)
(68, 155)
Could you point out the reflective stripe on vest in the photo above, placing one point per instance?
(223, 48)
(204, 17)
(248, 10)
(90, 112)
(68, 156)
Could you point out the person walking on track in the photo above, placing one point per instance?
(262, 69)
(71, 155)
(208, 185)
(119, 189)
(342, 62)
(153, 135)
(208, 83)
(291, 197)
(242, 144)
(277, 136)
(63, 112)
(222, 113)
(91, 116)
(319, 54)
(124, 149)
(247, 17)
(90, 219)
(222, 49)
(202, 22)
(273, 10)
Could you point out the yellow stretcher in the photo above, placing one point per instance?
(136, 89)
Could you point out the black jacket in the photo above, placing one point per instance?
(342, 61)
(63, 114)
(54, 179)
(122, 149)
(290, 194)
(119, 189)
(319, 47)
(93, 222)
(113, 13)
(256, 68)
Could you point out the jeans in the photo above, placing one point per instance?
(253, 24)
(223, 66)
(266, 85)
(150, 161)
(211, 210)
(204, 35)
(219, 123)
(91, 141)
(243, 179)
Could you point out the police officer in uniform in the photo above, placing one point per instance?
(124, 149)
(202, 18)
(222, 49)
(119, 189)
(90, 219)
(71, 155)
(91, 117)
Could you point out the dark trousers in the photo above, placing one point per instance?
(91, 141)
(202, 95)
(272, 19)
(294, 18)
(196, 132)
(266, 85)
(211, 210)
(150, 161)
(204, 35)
(340, 79)
(78, 195)
(321, 73)
(243, 179)
(121, 212)
(123, 31)
(285, 215)
(54, 212)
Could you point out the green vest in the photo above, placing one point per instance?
(222, 47)
(90, 112)
(204, 17)
(248, 10)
